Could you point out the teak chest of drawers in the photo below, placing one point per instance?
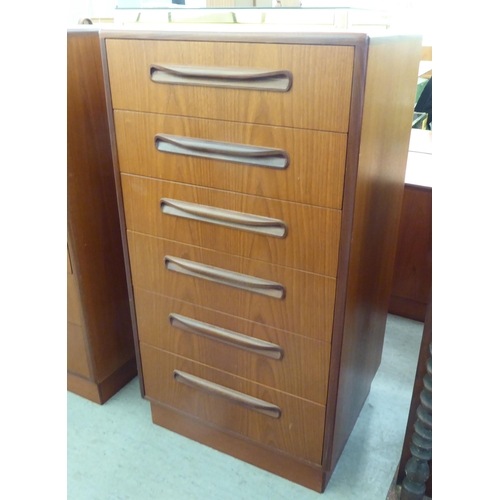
(260, 178)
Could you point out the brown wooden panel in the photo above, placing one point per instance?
(413, 264)
(317, 100)
(74, 309)
(83, 387)
(117, 380)
(306, 309)
(76, 351)
(93, 224)
(407, 308)
(368, 249)
(311, 242)
(325, 151)
(303, 370)
(298, 471)
(299, 430)
(101, 392)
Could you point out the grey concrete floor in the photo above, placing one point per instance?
(115, 452)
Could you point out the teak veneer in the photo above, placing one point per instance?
(101, 356)
(263, 347)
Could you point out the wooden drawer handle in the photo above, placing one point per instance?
(229, 337)
(230, 395)
(224, 277)
(227, 218)
(225, 151)
(211, 76)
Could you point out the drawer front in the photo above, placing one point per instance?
(316, 100)
(314, 174)
(277, 296)
(284, 233)
(276, 419)
(291, 363)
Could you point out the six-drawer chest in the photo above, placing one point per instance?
(260, 177)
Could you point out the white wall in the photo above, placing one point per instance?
(406, 15)
(90, 8)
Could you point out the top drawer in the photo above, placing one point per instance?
(301, 86)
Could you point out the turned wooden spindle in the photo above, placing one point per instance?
(417, 468)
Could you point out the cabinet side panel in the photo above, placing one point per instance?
(391, 76)
(93, 224)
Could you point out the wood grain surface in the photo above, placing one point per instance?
(74, 308)
(412, 278)
(314, 176)
(93, 225)
(391, 74)
(303, 370)
(83, 387)
(311, 243)
(318, 100)
(299, 430)
(306, 310)
(267, 458)
(77, 360)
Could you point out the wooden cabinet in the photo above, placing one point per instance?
(260, 178)
(412, 279)
(101, 357)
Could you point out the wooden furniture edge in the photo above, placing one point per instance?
(407, 308)
(101, 392)
(351, 172)
(303, 473)
(83, 326)
(83, 388)
(121, 210)
(101, 323)
(275, 37)
(351, 278)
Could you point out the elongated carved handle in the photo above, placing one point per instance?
(227, 218)
(218, 275)
(227, 336)
(212, 76)
(225, 151)
(230, 395)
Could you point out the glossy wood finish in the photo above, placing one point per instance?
(378, 189)
(76, 351)
(303, 371)
(321, 186)
(74, 308)
(384, 71)
(304, 106)
(309, 475)
(97, 286)
(413, 265)
(83, 387)
(304, 246)
(305, 310)
(105, 389)
(306, 419)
